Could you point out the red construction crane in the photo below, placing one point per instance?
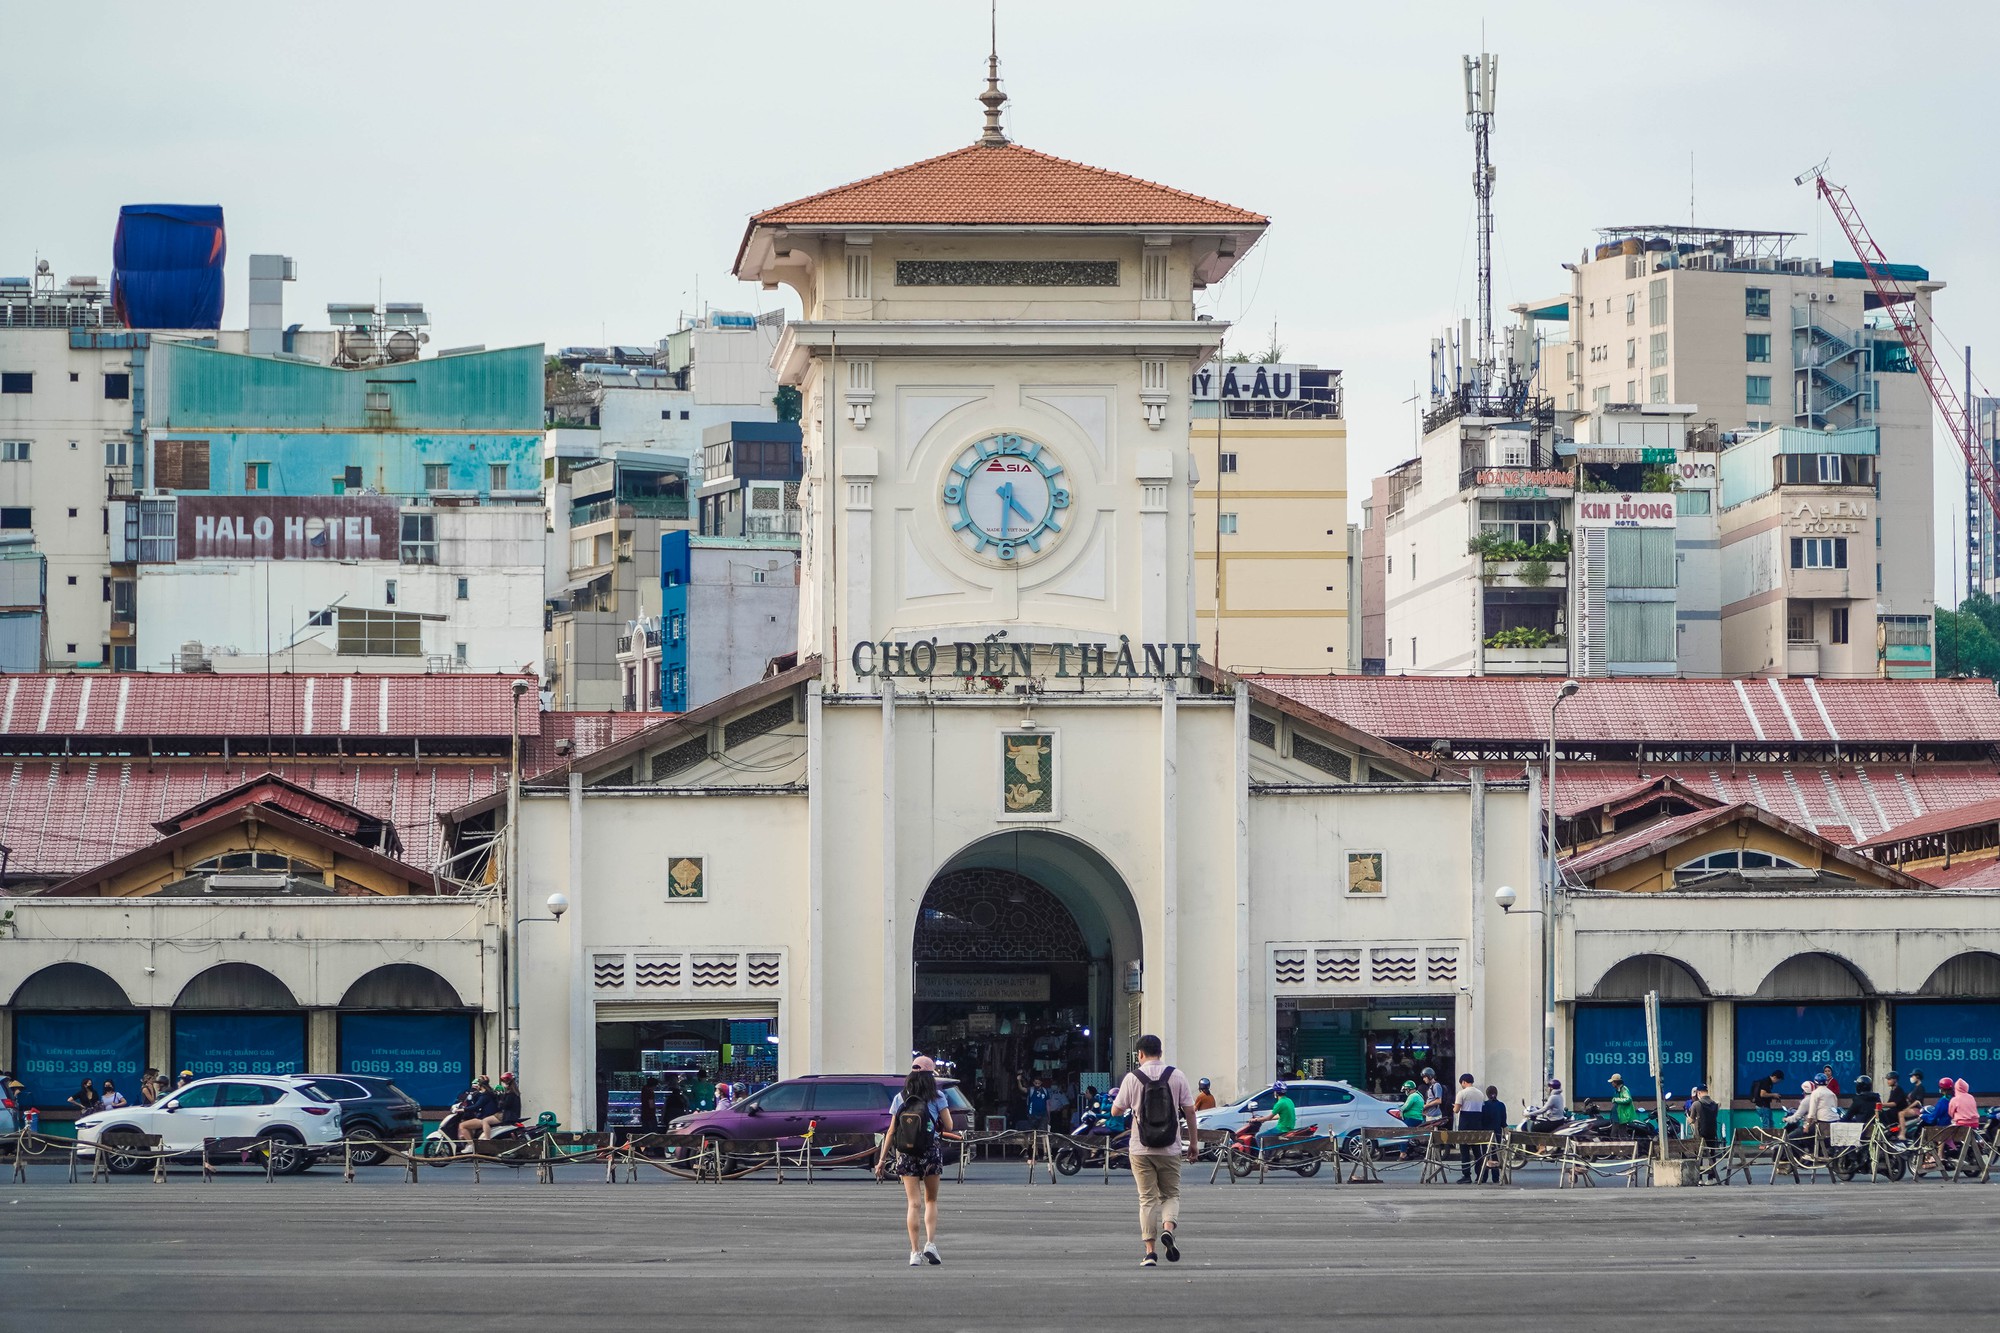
(1900, 302)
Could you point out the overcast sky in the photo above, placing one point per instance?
(569, 173)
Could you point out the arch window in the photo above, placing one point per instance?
(1733, 859)
(239, 862)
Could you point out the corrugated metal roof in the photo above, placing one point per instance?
(193, 704)
(587, 733)
(1940, 821)
(1465, 710)
(1657, 831)
(60, 819)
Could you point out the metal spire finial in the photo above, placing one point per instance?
(993, 99)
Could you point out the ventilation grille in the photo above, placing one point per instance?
(679, 759)
(764, 969)
(1392, 967)
(715, 969)
(1288, 966)
(1442, 965)
(1337, 967)
(751, 725)
(655, 970)
(1322, 757)
(607, 971)
(1264, 731)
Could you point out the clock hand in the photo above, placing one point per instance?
(1005, 494)
(1016, 506)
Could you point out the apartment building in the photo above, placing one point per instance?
(1271, 582)
(1542, 542)
(1801, 535)
(1753, 337)
(728, 607)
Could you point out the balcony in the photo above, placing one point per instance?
(646, 506)
(1538, 573)
(1802, 658)
(1548, 660)
(1818, 584)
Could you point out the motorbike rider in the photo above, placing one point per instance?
(1204, 1099)
(1551, 1114)
(507, 1111)
(1624, 1111)
(1817, 1106)
(1434, 1111)
(1282, 1119)
(1940, 1112)
(481, 1104)
(1411, 1112)
(1866, 1103)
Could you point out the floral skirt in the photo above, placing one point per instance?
(918, 1165)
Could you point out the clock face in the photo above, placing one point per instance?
(1006, 497)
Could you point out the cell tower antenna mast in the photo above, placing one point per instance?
(1482, 75)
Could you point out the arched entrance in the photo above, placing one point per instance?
(1019, 958)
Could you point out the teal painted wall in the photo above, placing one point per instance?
(310, 423)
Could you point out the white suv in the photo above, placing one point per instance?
(302, 1124)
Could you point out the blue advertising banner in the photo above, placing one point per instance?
(428, 1056)
(1961, 1040)
(1799, 1039)
(1610, 1039)
(210, 1044)
(55, 1053)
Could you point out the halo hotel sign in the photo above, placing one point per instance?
(290, 527)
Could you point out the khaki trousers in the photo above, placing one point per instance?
(1159, 1181)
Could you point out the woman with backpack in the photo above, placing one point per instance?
(919, 1118)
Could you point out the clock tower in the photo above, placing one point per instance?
(994, 360)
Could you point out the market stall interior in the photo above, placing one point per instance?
(687, 1059)
(1373, 1044)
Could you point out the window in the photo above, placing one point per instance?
(124, 657)
(16, 520)
(1226, 524)
(1659, 388)
(155, 522)
(1756, 425)
(437, 476)
(117, 386)
(1569, 360)
(853, 1096)
(684, 415)
(860, 275)
(180, 465)
(116, 453)
(13, 451)
(201, 1094)
(1631, 352)
(360, 632)
(1757, 389)
(779, 1097)
(1736, 860)
(1757, 302)
(388, 592)
(256, 476)
(1631, 391)
(350, 478)
(1632, 306)
(419, 543)
(249, 1094)
(1225, 462)
(1656, 302)
(1836, 624)
(17, 381)
(1756, 347)
(1798, 623)
(107, 585)
(1656, 350)
(1692, 504)
(122, 600)
(1829, 468)
(1322, 1096)
(1819, 553)
(458, 654)
(1601, 395)
(464, 589)
(496, 476)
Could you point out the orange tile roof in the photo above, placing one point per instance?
(1004, 186)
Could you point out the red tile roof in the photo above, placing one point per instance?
(1842, 802)
(1466, 710)
(1969, 874)
(192, 704)
(1004, 186)
(59, 819)
(586, 733)
(1941, 821)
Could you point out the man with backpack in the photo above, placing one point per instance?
(1161, 1105)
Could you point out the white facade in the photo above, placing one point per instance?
(481, 603)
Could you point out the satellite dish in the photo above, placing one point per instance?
(402, 345)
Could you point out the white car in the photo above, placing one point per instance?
(1338, 1108)
(285, 1110)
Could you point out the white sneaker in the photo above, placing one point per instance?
(931, 1253)
(916, 1259)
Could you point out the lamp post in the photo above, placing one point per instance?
(513, 885)
(1549, 886)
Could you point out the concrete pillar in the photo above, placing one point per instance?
(1247, 982)
(322, 1040)
(1170, 924)
(1473, 1052)
(1878, 1050)
(815, 898)
(1722, 1053)
(895, 1010)
(582, 1016)
(160, 1040)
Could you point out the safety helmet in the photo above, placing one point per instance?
(1944, 1085)
(1807, 1086)
(1556, 1083)
(1430, 1073)
(507, 1078)
(1409, 1085)
(1864, 1084)
(1203, 1085)
(1278, 1088)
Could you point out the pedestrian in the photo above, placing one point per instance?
(1434, 1108)
(649, 1106)
(149, 1086)
(110, 1099)
(86, 1099)
(1494, 1116)
(1059, 1109)
(919, 1118)
(1828, 1081)
(1161, 1105)
(187, 1077)
(1703, 1118)
(1764, 1097)
(1038, 1106)
(725, 1096)
(1204, 1098)
(1471, 1108)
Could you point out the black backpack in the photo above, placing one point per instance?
(914, 1132)
(1158, 1121)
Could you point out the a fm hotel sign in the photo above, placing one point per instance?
(1649, 509)
(286, 527)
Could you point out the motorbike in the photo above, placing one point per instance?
(1593, 1124)
(1297, 1151)
(1095, 1132)
(444, 1141)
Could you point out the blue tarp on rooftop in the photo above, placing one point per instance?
(166, 266)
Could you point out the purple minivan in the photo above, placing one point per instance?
(838, 1103)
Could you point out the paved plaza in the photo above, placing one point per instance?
(510, 1253)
